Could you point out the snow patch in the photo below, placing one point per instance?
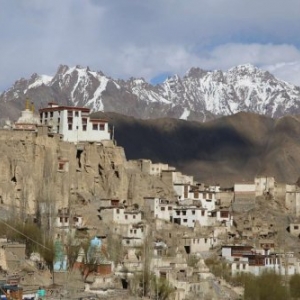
(42, 79)
(185, 114)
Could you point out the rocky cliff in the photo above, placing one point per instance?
(41, 172)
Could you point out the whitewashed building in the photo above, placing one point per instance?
(188, 215)
(159, 208)
(74, 123)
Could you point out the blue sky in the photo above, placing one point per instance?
(149, 39)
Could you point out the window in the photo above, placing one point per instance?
(162, 209)
(170, 208)
(57, 129)
(126, 217)
(118, 211)
(184, 212)
(84, 121)
(177, 212)
(205, 241)
(184, 220)
(134, 231)
(102, 126)
(70, 120)
(296, 227)
(127, 242)
(70, 126)
(83, 127)
(193, 212)
(130, 230)
(76, 114)
(134, 216)
(202, 213)
(95, 126)
(61, 166)
(244, 266)
(46, 115)
(70, 113)
(51, 114)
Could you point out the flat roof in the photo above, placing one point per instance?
(59, 108)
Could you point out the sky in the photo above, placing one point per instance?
(148, 38)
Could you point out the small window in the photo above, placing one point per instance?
(134, 216)
(83, 127)
(184, 212)
(202, 213)
(193, 212)
(184, 220)
(126, 217)
(51, 114)
(70, 126)
(95, 126)
(134, 231)
(76, 114)
(118, 211)
(128, 242)
(46, 115)
(296, 227)
(170, 208)
(102, 127)
(162, 209)
(205, 241)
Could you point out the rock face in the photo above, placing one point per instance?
(199, 95)
(41, 172)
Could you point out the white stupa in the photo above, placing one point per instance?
(28, 120)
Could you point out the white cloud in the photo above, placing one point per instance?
(145, 38)
(289, 72)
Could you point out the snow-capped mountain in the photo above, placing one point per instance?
(199, 95)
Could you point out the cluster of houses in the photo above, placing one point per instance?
(198, 220)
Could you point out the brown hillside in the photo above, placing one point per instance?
(231, 148)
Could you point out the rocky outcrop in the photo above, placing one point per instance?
(42, 172)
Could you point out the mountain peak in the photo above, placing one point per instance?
(199, 95)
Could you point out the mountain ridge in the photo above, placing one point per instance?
(199, 95)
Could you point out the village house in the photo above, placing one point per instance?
(74, 123)
(159, 208)
(207, 196)
(189, 214)
(120, 215)
(243, 258)
(264, 185)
